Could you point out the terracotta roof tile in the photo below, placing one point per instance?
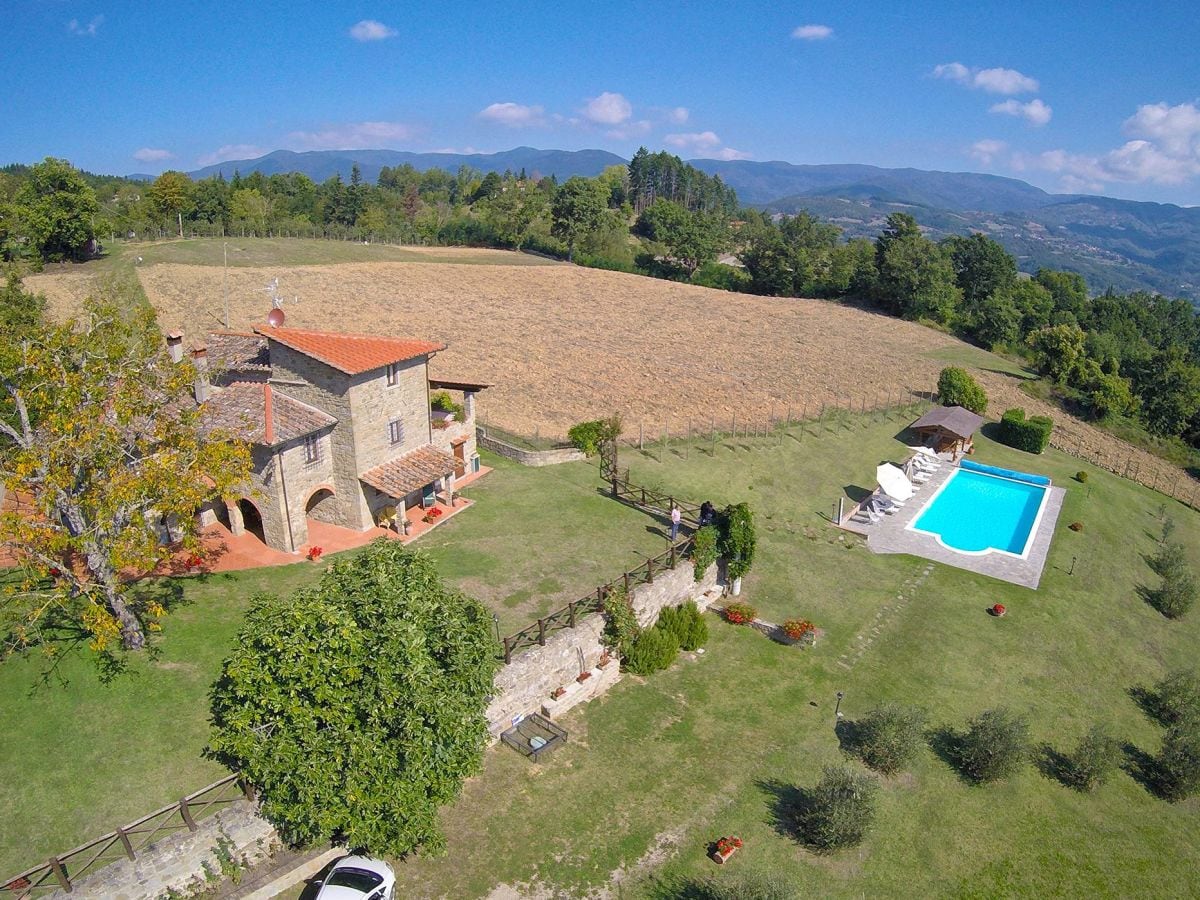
(241, 409)
(350, 353)
(235, 351)
(410, 472)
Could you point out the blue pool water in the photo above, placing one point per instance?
(975, 512)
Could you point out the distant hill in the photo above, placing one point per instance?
(1113, 243)
(323, 164)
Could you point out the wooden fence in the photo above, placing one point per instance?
(63, 871)
(568, 616)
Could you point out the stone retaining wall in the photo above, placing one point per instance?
(529, 457)
(177, 862)
(524, 686)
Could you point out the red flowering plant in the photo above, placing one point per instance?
(796, 629)
(727, 845)
(194, 561)
(999, 609)
(314, 553)
(740, 613)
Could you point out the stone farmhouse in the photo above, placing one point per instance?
(340, 428)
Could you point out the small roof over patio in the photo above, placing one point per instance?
(410, 472)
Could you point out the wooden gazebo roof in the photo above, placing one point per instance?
(953, 419)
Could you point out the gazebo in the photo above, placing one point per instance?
(948, 428)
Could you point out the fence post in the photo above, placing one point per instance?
(714, 438)
(687, 448)
(674, 559)
(187, 815)
(641, 436)
(542, 632)
(571, 610)
(649, 571)
(60, 873)
(626, 584)
(507, 652)
(247, 789)
(125, 843)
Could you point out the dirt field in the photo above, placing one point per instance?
(562, 344)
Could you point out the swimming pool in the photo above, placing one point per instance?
(978, 512)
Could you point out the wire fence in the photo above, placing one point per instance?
(62, 872)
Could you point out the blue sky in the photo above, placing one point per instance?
(1063, 95)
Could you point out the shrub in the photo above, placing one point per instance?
(738, 539)
(796, 629)
(1081, 477)
(704, 550)
(1177, 766)
(888, 737)
(1093, 760)
(686, 624)
(588, 436)
(1176, 594)
(620, 623)
(1076, 526)
(956, 387)
(742, 885)
(839, 811)
(1177, 697)
(723, 277)
(651, 651)
(1031, 435)
(441, 402)
(740, 613)
(994, 746)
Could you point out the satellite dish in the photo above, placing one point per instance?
(275, 317)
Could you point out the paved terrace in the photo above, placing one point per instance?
(892, 535)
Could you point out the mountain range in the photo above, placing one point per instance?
(1122, 244)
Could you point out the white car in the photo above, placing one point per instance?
(358, 878)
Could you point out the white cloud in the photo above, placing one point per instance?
(1035, 112)
(703, 143)
(1176, 128)
(514, 115)
(986, 150)
(630, 130)
(231, 151)
(370, 30)
(678, 115)
(994, 81)
(88, 30)
(151, 154)
(352, 136)
(812, 32)
(608, 109)
(695, 141)
(1165, 150)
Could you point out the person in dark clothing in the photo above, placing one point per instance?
(708, 514)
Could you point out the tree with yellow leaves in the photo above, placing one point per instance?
(100, 445)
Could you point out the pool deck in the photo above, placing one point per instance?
(891, 535)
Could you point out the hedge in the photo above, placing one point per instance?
(1031, 435)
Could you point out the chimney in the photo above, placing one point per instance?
(200, 361)
(175, 346)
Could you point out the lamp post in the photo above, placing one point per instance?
(837, 710)
(496, 622)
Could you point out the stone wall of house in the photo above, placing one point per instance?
(177, 862)
(529, 457)
(375, 403)
(445, 438)
(524, 686)
(324, 387)
(301, 479)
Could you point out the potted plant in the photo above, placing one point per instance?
(997, 609)
(725, 848)
(583, 676)
(605, 659)
(740, 613)
(557, 692)
(193, 562)
(314, 553)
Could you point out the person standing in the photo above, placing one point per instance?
(675, 517)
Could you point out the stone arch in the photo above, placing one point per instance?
(320, 504)
(251, 518)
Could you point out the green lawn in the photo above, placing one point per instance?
(659, 767)
(81, 757)
(304, 252)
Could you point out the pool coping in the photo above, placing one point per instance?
(891, 534)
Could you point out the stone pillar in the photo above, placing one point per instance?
(200, 361)
(237, 526)
(450, 488)
(469, 406)
(175, 346)
(401, 517)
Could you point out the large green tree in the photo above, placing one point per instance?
(578, 210)
(54, 210)
(356, 706)
(915, 277)
(691, 238)
(101, 444)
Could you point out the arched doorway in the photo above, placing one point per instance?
(321, 505)
(252, 519)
